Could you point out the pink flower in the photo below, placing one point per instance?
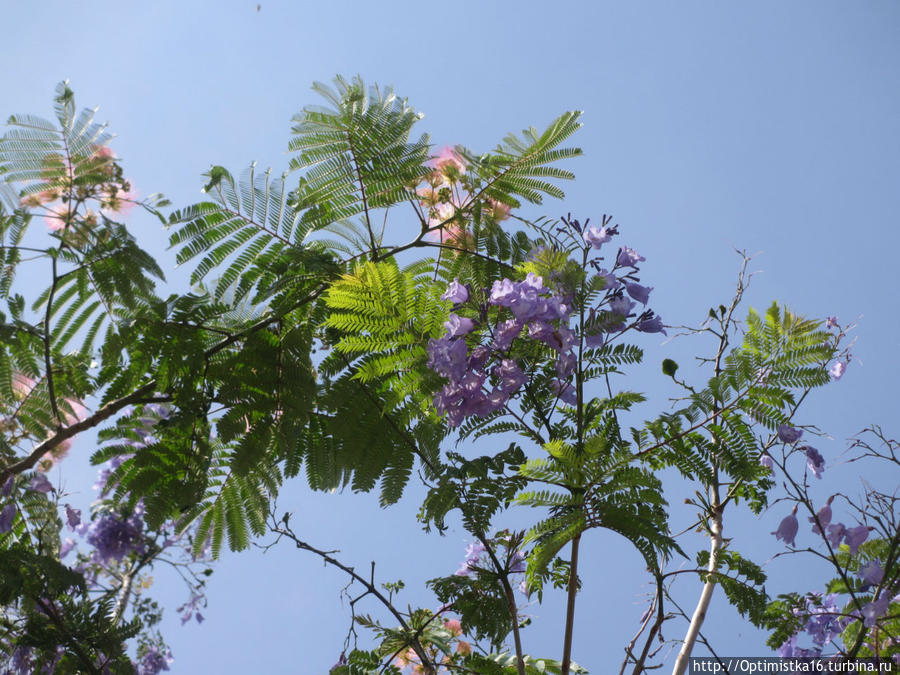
(454, 626)
(39, 198)
(56, 217)
(118, 201)
(449, 162)
(497, 210)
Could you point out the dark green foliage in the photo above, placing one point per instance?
(356, 154)
(480, 602)
(743, 583)
(58, 614)
(479, 488)
(780, 353)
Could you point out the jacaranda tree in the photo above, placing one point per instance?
(324, 335)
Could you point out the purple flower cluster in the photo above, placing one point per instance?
(474, 389)
(154, 661)
(824, 622)
(114, 536)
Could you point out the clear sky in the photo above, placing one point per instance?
(768, 126)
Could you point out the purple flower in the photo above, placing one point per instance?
(506, 332)
(503, 293)
(73, 517)
(114, 537)
(814, 461)
(787, 530)
(191, 609)
(638, 292)
(652, 324)
(597, 236)
(855, 536)
(565, 364)
(40, 484)
(787, 649)
(456, 293)
(788, 434)
(565, 391)
(875, 610)
(154, 661)
(517, 562)
(872, 572)
(7, 518)
(479, 357)
(766, 460)
(8, 486)
(447, 357)
(835, 534)
(66, 547)
(458, 325)
(473, 556)
(510, 375)
(621, 306)
(628, 257)
(831, 322)
(837, 370)
(612, 282)
(824, 516)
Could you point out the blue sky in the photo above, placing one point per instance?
(771, 127)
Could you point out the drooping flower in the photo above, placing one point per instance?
(831, 322)
(787, 530)
(835, 534)
(458, 325)
(506, 332)
(837, 370)
(40, 484)
(814, 461)
(447, 357)
(638, 292)
(872, 572)
(612, 281)
(510, 375)
(652, 324)
(855, 536)
(628, 257)
(456, 293)
(824, 516)
(766, 460)
(789, 434)
(7, 518)
(875, 610)
(73, 517)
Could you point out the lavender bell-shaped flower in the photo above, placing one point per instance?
(855, 536)
(787, 530)
(456, 293)
(824, 516)
(872, 572)
(788, 434)
(814, 461)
